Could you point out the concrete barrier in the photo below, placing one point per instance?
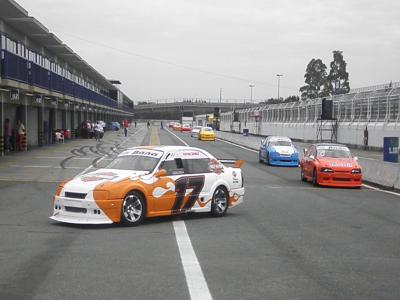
(374, 170)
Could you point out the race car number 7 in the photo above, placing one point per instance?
(181, 185)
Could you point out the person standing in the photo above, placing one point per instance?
(135, 124)
(148, 124)
(125, 124)
(21, 135)
(7, 135)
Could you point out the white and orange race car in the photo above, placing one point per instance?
(150, 182)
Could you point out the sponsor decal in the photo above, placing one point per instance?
(215, 166)
(146, 153)
(346, 165)
(99, 176)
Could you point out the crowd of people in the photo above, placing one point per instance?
(14, 138)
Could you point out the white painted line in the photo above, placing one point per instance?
(197, 285)
(365, 185)
(245, 148)
(182, 141)
(380, 190)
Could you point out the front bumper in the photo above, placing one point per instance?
(207, 138)
(282, 160)
(78, 211)
(339, 180)
(236, 196)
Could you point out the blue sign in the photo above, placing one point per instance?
(391, 149)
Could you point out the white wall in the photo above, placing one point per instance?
(351, 133)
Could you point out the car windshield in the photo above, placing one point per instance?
(207, 129)
(134, 163)
(280, 143)
(334, 152)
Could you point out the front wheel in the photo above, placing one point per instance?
(267, 159)
(219, 204)
(302, 175)
(315, 178)
(133, 209)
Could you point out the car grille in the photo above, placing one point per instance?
(76, 209)
(75, 195)
(341, 179)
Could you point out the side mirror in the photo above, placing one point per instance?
(355, 158)
(305, 151)
(161, 173)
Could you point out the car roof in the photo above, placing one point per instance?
(167, 148)
(329, 144)
(277, 137)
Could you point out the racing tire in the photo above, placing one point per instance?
(220, 201)
(133, 210)
(315, 178)
(302, 175)
(267, 159)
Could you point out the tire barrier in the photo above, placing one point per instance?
(41, 140)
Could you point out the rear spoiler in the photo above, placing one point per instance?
(236, 163)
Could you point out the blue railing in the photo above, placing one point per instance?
(19, 69)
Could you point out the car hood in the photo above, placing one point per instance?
(87, 182)
(283, 149)
(338, 162)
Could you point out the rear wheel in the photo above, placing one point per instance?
(133, 209)
(315, 178)
(219, 204)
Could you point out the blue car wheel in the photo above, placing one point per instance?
(267, 161)
(260, 159)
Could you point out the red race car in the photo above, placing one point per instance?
(330, 165)
(186, 128)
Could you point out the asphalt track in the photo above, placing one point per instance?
(289, 240)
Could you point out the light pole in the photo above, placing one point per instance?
(251, 92)
(279, 82)
(220, 95)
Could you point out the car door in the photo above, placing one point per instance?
(199, 181)
(263, 149)
(165, 196)
(309, 161)
(192, 180)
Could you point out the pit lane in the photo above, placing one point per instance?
(288, 240)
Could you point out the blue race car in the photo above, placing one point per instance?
(278, 151)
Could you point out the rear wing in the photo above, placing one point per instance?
(235, 162)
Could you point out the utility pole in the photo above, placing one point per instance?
(220, 95)
(251, 92)
(279, 82)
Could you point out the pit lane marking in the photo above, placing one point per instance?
(195, 280)
(197, 285)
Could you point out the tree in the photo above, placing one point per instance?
(338, 77)
(291, 99)
(316, 80)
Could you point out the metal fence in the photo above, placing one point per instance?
(372, 104)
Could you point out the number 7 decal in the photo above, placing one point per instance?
(181, 185)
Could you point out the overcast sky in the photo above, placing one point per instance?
(192, 48)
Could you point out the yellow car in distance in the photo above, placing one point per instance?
(206, 134)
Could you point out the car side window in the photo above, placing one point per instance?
(173, 167)
(196, 166)
(312, 152)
